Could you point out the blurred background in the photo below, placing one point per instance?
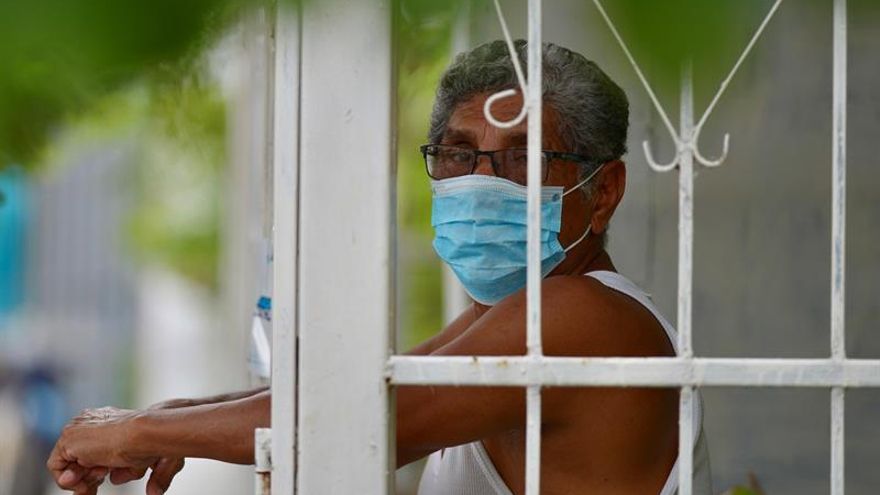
(134, 209)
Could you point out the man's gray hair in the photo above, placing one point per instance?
(593, 112)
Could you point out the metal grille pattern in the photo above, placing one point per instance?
(296, 389)
(686, 371)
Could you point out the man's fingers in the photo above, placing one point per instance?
(82, 481)
(124, 475)
(71, 476)
(88, 488)
(56, 462)
(163, 472)
(95, 476)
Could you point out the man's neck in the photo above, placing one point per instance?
(596, 260)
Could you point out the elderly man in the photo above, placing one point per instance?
(595, 440)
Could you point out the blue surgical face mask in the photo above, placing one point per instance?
(481, 232)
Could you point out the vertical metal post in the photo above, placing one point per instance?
(345, 419)
(685, 275)
(685, 212)
(262, 461)
(837, 443)
(533, 102)
(286, 179)
(838, 238)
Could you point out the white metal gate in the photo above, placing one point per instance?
(332, 365)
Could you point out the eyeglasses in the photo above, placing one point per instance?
(444, 162)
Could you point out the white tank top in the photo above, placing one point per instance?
(468, 470)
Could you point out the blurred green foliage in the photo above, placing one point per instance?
(60, 57)
(741, 490)
(424, 41)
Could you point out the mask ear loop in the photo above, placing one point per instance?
(589, 226)
(575, 243)
(579, 184)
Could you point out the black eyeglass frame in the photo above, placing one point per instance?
(549, 155)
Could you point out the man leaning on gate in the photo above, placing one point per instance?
(594, 439)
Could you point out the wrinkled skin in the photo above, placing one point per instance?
(88, 452)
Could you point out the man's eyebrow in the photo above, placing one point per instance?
(459, 135)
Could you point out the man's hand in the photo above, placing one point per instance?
(91, 445)
(124, 444)
(163, 472)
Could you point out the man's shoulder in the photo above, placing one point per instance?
(584, 317)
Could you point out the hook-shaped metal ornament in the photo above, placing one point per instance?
(706, 161)
(487, 109)
(691, 144)
(664, 167)
(507, 93)
(658, 167)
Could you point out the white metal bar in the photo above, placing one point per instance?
(837, 442)
(533, 440)
(246, 272)
(685, 215)
(685, 276)
(838, 185)
(838, 239)
(533, 286)
(686, 441)
(523, 371)
(262, 461)
(285, 274)
(347, 202)
(533, 275)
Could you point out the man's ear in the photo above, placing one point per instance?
(610, 186)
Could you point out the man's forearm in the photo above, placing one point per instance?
(223, 430)
(214, 399)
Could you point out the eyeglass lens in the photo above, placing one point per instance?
(445, 162)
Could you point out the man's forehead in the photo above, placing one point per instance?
(467, 123)
(472, 134)
(503, 109)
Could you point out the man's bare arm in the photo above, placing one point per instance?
(132, 441)
(222, 430)
(213, 399)
(461, 323)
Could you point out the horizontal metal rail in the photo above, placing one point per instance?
(524, 371)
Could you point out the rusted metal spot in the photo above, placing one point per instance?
(265, 483)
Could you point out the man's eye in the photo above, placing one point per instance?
(460, 156)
